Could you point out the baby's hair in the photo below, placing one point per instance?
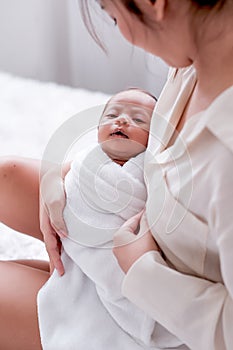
(143, 91)
(129, 89)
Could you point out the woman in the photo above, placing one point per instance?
(189, 174)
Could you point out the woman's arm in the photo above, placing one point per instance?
(198, 311)
(52, 203)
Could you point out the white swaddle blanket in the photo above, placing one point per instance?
(101, 196)
(84, 309)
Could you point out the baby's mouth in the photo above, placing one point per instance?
(119, 134)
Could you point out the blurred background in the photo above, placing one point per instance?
(46, 40)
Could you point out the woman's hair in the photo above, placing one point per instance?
(208, 3)
(133, 7)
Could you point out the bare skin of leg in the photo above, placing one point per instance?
(18, 308)
(36, 264)
(19, 195)
(21, 280)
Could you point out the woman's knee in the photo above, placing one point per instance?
(16, 169)
(9, 167)
(19, 200)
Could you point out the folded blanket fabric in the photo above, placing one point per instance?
(101, 195)
(85, 309)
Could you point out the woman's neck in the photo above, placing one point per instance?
(214, 62)
(214, 75)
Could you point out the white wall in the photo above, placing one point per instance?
(29, 38)
(46, 40)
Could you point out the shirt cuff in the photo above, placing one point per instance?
(138, 268)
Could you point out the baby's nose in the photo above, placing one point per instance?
(122, 119)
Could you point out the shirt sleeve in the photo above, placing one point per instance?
(196, 310)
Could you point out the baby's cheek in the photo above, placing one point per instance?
(142, 137)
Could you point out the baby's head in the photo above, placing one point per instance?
(124, 125)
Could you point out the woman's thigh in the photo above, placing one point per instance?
(19, 194)
(18, 307)
(35, 263)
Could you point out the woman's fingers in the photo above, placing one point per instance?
(123, 237)
(56, 262)
(52, 242)
(144, 226)
(52, 194)
(53, 209)
(129, 253)
(127, 232)
(132, 224)
(133, 240)
(52, 203)
(56, 219)
(53, 247)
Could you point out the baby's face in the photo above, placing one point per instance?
(124, 127)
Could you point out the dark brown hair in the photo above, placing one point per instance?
(129, 89)
(208, 3)
(134, 8)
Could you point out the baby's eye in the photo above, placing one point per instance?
(111, 116)
(138, 120)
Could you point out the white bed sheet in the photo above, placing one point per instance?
(30, 112)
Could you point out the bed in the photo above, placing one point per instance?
(30, 112)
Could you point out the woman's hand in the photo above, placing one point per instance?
(129, 246)
(52, 203)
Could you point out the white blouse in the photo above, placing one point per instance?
(190, 212)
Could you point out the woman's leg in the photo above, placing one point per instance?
(19, 194)
(18, 307)
(36, 264)
(20, 281)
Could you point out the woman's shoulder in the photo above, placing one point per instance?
(219, 118)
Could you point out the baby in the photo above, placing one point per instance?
(126, 116)
(104, 187)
